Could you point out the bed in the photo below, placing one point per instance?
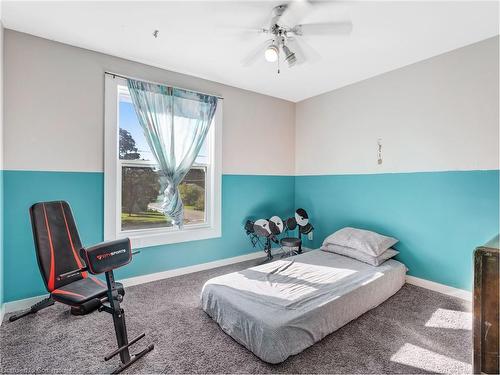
(280, 308)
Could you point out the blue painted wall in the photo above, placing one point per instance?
(439, 217)
(2, 299)
(242, 195)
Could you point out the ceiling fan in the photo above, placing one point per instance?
(285, 32)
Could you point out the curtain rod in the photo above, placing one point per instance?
(159, 83)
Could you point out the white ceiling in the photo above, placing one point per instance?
(195, 38)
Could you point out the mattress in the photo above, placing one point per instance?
(280, 308)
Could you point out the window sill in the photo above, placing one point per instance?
(158, 238)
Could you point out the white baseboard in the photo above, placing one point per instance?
(440, 288)
(195, 268)
(26, 303)
(190, 269)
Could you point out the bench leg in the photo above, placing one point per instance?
(118, 314)
(34, 309)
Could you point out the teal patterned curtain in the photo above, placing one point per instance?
(175, 124)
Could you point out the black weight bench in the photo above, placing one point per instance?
(66, 269)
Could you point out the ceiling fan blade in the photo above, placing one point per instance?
(303, 51)
(239, 34)
(295, 11)
(256, 53)
(328, 28)
(233, 30)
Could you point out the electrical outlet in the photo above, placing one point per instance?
(310, 236)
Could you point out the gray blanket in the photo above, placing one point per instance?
(281, 308)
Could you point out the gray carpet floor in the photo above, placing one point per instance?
(415, 331)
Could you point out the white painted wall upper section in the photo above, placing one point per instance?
(439, 114)
(387, 35)
(1, 167)
(54, 118)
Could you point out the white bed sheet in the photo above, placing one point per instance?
(280, 308)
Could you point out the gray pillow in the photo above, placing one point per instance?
(361, 256)
(366, 241)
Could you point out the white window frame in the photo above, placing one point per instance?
(112, 182)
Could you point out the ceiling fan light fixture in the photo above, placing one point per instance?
(290, 57)
(271, 53)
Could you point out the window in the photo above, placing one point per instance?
(133, 195)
